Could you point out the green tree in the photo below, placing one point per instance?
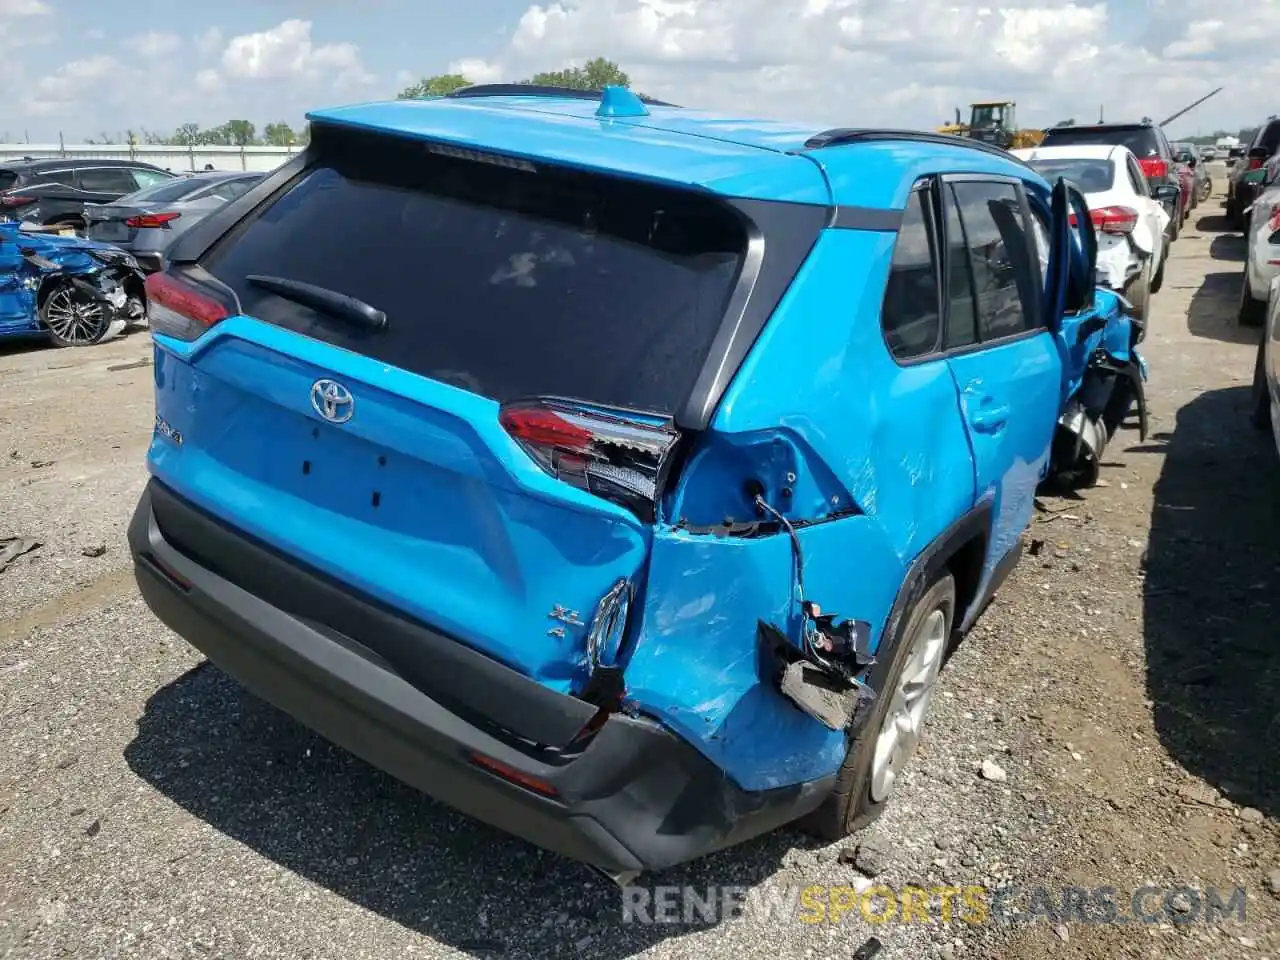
(241, 132)
(593, 75)
(187, 135)
(437, 86)
(279, 134)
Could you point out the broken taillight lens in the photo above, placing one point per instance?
(618, 456)
(177, 309)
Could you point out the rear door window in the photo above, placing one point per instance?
(999, 257)
(116, 180)
(910, 314)
(496, 277)
(168, 191)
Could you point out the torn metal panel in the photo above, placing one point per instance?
(699, 667)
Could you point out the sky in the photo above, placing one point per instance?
(79, 68)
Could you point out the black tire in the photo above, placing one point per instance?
(850, 806)
(91, 323)
(1252, 313)
(1157, 281)
(1260, 405)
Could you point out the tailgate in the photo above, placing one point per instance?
(419, 500)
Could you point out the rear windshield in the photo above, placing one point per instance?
(166, 191)
(7, 179)
(507, 282)
(1269, 137)
(1141, 140)
(1091, 176)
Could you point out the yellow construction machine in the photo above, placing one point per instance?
(993, 121)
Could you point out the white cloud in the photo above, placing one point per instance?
(209, 81)
(285, 52)
(908, 62)
(155, 45)
(23, 8)
(476, 70)
(210, 41)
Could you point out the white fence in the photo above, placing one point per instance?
(166, 157)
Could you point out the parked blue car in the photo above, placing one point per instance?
(72, 291)
(616, 473)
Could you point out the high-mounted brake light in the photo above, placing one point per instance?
(152, 220)
(615, 455)
(1114, 219)
(1154, 167)
(178, 310)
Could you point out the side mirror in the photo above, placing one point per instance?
(1165, 193)
(1191, 162)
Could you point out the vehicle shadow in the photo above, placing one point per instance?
(1212, 311)
(1211, 601)
(1214, 223)
(259, 777)
(1229, 246)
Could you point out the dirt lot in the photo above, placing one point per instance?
(1127, 681)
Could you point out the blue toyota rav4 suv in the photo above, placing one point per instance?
(616, 473)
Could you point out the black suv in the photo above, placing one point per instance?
(1147, 142)
(54, 191)
(1242, 190)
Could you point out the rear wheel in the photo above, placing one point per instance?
(1260, 405)
(1252, 312)
(1157, 281)
(73, 318)
(888, 738)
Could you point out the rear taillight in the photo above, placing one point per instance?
(11, 201)
(617, 456)
(1154, 167)
(1112, 219)
(152, 220)
(179, 310)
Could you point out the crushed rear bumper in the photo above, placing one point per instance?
(636, 798)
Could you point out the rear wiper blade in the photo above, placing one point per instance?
(323, 299)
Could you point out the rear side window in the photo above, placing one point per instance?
(107, 180)
(505, 281)
(65, 177)
(1143, 141)
(999, 256)
(7, 179)
(910, 314)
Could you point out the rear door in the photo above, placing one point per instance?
(1003, 357)
(407, 447)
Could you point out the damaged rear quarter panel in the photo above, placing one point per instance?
(892, 436)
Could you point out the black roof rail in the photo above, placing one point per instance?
(842, 136)
(537, 90)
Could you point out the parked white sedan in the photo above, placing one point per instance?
(1131, 225)
(1262, 257)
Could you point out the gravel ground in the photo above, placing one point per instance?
(1125, 683)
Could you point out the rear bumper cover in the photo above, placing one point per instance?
(637, 798)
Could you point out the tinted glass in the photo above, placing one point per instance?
(146, 178)
(910, 311)
(107, 180)
(1091, 176)
(166, 192)
(999, 256)
(503, 281)
(65, 177)
(962, 328)
(230, 189)
(1141, 140)
(1269, 137)
(7, 179)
